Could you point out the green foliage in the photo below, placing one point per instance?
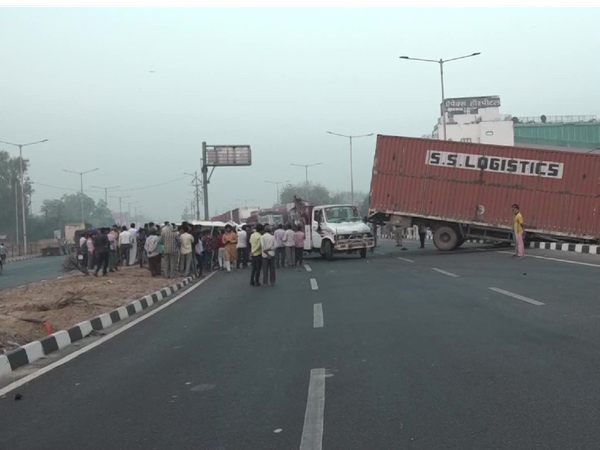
(320, 195)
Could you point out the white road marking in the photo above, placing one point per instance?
(5, 390)
(379, 253)
(313, 284)
(406, 259)
(556, 259)
(312, 432)
(307, 267)
(517, 296)
(450, 274)
(318, 315)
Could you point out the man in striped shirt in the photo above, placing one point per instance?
(170, 247)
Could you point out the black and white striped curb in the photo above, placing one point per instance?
(578, 248)
(28, 353)
(21, 258)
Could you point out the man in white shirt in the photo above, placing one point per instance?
(125, 245)
(268, 247)
(187, 244)
(279, 247)
(242, 248)
(288, 240)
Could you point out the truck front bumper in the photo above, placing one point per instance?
(354, 244)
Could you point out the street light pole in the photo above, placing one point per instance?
(81, 174)
(306, 166)
(277, 183)
(22, 183)
(121, 207)
(105, 189)
(441, 63)
(350, 137)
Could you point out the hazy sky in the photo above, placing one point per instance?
(276, 79)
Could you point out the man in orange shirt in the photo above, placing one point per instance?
(518, 231)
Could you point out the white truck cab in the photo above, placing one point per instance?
(335, 229)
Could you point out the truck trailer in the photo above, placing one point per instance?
(465, 191)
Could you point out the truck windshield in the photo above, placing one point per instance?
(338, 214)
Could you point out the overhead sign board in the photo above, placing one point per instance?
(470, 105)
(229, 155)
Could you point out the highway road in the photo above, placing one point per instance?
(408, 349)
(27, 271)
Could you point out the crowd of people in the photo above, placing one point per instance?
(185, 250)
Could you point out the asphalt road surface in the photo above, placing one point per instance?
(408, 349)
(27, 271)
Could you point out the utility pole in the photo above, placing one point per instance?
(277, 183)
(196, 183)
(351, 170)
(306, 166)
(22, 188)
(205, 181)
(17, 213)
(81, 174)
(441, 63)
(120, 207)
(106, 191)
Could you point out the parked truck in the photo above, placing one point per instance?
(331, 229)
(465, 191)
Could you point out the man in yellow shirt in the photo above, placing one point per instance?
(256, 251)
(518, 231)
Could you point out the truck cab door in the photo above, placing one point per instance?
(317, 219)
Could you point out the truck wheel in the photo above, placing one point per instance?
(328, 250)
(446, 238)
(461, 241)
(363, 252)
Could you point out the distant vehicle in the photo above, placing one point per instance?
(332, 229)
(50, 247)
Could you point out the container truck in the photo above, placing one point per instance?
(330, 229)
(465, 191)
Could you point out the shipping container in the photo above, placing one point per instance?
(471, 187)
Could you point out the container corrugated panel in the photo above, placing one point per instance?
(558, 192)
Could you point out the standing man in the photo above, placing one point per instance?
(134, 245)
(112, 251)
(83, 249)
(2, 252)
(279, 246)
(256, 251)
(267, 244)
(141, 243)
(299, 245)
(169, 243)
(125, 245)
(102, 248)
(229, 243)
(187, 245)
(518, 230)
(289, 238)
(221, 250)
(208, 246)
(151, 249)
(242, 248)
(422, 235)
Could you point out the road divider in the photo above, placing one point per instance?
(318, 315)
(406, 260)
(312, 431)
(313, 284)
(450, 274)
(579, 263)
(517, 296)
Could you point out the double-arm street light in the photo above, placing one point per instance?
(106, 189)
(22, 189)
(441, 63)
(350, 137)
(81, 174)
(306, 166)
(277, 183)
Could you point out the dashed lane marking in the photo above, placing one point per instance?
(406, 259)
(313, 284)
(450, 274)
(318, 315)
(307, 267)
(312, 431)
(556, 259)
(517, 296)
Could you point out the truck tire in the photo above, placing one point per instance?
(446, 239)
(328, 250)
(363, 252)
(461, 241)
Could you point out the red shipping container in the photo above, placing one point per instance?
(558, 191)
